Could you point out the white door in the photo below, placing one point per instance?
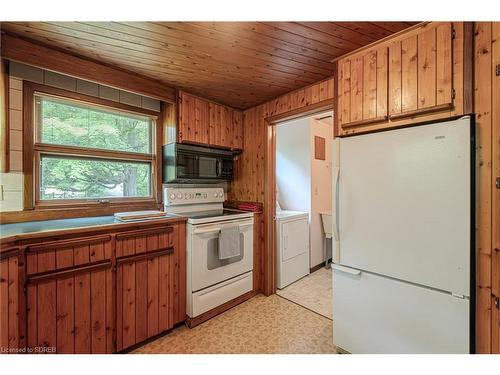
(404, 204)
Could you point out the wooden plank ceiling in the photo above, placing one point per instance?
(240, 64)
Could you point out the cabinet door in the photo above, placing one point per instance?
(226, 127)
(193, 119)
(150, 284)
(420, 72)
(220, 125)
(71, 311)
(362, 88)
(9, 305)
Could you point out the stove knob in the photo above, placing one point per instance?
(179, 195)
(216, 195)
(172, 196)
(205, 195)
(221, 194)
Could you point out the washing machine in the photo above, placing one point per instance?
(292, 235)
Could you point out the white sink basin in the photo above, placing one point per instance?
(326, 218)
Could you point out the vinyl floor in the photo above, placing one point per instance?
(261, 325)
(313, 291)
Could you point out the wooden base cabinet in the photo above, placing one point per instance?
(71, 312)
(9, 304)
(150, 286)
(99, 293)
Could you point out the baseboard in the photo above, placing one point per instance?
(193, 322)
(150, 339)
(318, 266)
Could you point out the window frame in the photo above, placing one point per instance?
(34, 149)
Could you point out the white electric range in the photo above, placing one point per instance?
(211, 281)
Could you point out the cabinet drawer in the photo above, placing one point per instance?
(56, 255)
(146, 240)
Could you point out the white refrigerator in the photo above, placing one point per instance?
(403, 222)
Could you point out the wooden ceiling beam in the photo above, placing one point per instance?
(27, 52)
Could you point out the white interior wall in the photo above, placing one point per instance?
(293, 165)
(321, 188)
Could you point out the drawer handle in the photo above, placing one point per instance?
(37, 278)
(143, 233)
(145, 256)
(348, 270)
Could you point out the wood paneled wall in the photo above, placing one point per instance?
(249, 173)
(250, 180)
(487, 109)
(4, 117)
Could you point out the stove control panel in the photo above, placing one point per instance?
(176, 196)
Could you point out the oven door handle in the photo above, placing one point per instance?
(217, 229)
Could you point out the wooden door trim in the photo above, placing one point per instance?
(301, 112)
(269, 286)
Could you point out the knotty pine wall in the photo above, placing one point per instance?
(487, 109)
(249, 176)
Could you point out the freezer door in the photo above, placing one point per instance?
(374, 314)
(404, 204)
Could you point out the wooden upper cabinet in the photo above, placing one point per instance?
(414, 76)
(193, 119)
(362, 88)
(209, 123)
(226, 127)
(420, 72)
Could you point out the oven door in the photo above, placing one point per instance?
(203, 254)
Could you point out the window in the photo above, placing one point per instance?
(87, 152)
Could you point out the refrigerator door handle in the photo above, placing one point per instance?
(335, 221)
(348, 270)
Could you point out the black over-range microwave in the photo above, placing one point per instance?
(183, 163)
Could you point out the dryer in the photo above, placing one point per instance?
(292, 234)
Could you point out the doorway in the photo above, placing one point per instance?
(303, 202)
